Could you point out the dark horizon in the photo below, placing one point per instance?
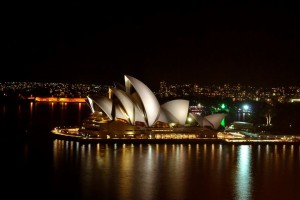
(213, 43)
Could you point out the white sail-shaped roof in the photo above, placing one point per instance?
(121, 114)
(201, 120)
(150, 103)
(178, 108)
(215, 119)
(90, 104)
(141, 105)
(167, 117)
(126, 102)
(139, 116)
(162, 116)
(105, 104)
(137, 100)
(139, 110)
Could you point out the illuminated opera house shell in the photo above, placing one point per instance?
(135, 109)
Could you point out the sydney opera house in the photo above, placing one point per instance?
(133, 111)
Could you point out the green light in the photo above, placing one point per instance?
(223, 106)
(223, 122)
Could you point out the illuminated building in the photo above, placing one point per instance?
(134, 111)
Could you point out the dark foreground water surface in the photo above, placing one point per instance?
(36, 166)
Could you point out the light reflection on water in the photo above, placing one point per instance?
(179, 171)
(243, 177)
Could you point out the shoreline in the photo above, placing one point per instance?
(85, 140)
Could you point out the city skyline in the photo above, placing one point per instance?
(236, 92)
(214, 43)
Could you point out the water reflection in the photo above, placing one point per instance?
(243, 178)
(176, 171)
(79, 113)
(31, 109)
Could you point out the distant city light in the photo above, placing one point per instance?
(246, 107)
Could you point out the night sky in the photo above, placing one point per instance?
(206, 43)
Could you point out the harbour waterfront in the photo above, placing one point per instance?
(73, 133)
(35, 163)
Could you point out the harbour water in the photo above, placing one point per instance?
(35, 165)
